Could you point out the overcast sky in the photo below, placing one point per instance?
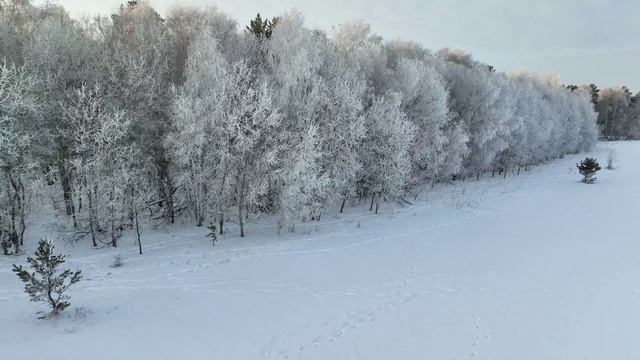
(581, 41)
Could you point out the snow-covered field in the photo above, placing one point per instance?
(536, 266)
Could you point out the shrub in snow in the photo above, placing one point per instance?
(588, 168)
(46, 283)
(117, 261)
(9, 239)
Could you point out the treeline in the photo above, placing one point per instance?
(618, 111)
(193, 117)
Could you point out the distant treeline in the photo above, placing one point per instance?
(618, 111)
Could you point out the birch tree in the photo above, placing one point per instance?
(386, 151)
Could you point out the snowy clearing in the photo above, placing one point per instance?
(536, 266)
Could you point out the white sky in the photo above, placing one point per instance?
(581, 41)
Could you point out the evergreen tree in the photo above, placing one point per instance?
(47, 283)
(595, 93)
(212, 234)
(588, 168)
(262, 29)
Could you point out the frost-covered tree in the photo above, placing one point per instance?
(202, 139)
(587, 118)
(251, 120)
(10, 44)
(301, 197)
(525, 134)
(16, 24)
(61, 56)
(192, 116)
(225, 125)
(476, 99)
(615, 116)
(19, 134)
(184, 24)
(425, 103)
(103, 162)
(294, 59)
(364, 53)
(342, 130)
(386, 163)
(136, 75)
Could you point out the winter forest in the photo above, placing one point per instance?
(201, 119)
(180, 183)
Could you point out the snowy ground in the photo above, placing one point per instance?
(537, 266)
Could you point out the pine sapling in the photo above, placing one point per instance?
(46, 283)
(212, 233)
(588, 169)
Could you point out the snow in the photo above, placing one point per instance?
(536, 266)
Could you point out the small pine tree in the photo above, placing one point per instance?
(46, 283)
(588, 168)
(212, 233)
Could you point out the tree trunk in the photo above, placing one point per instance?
(14, 232)
(80, 190)
(166, 190)
(138, 232)
(372, 198)
(221, 199)
(92, 225)
(67, 191)
(243, 180)
(23, 226)
(170, 205)
(17, 209)
(378, 202)
(505, 172)
(344, 201)
(52, 302)
(114, 240)
(241, 220)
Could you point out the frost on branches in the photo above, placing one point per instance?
(135, 120)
